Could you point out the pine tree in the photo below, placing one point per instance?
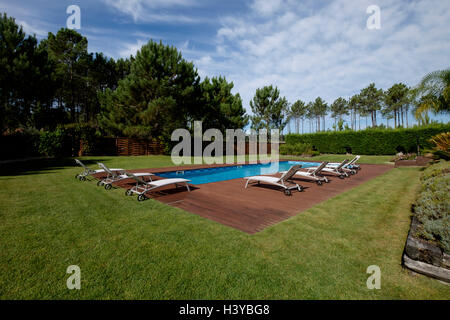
(269, 109)
(25, 76)
(68, 51)
(160, 94)
(220, 109)
(371, 99)
(396, 100)
(338, 108)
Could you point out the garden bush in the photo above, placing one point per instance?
(66, 140)
(76, 133)
(51, 143)
(433, 205)
(437, 169)
(372, 141)
(296, 149)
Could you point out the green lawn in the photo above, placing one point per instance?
(133, 250)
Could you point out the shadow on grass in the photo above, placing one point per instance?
(43, 166)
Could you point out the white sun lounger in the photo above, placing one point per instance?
(313, 174)
(349, 166)
(342, 167)
(280, 182)
(116, 177)
(143, 187)
(88, 171)
(336, 171)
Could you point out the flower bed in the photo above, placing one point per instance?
(428, 245)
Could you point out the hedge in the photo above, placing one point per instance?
(298, 149)
(370, 141)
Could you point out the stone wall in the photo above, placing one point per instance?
(424, 257)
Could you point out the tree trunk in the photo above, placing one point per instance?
(406, 112)
(395, 119)
(359, 120)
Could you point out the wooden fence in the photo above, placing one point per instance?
(137, 147)
(140, 147)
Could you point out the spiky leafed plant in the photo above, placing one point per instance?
(433, 93)
(442, 144)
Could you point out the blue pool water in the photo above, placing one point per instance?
(207, 175)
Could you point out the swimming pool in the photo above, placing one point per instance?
(207, 175)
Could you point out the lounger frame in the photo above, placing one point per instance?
(83, 176)
(312, 175)
(280, 182)
(337, 171)
(142, 187)
(350, 167)
(113, 177)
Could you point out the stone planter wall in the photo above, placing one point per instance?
(426, 258)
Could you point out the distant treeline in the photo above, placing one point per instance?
(57, 82)
(54, 85)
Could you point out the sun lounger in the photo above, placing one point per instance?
(88, 171)
(342, 167)
(313, 174)
(336, 171)
(116, 177)
(349, 166)
(280, 182)
(142, 187)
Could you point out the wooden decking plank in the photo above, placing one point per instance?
(257, 207)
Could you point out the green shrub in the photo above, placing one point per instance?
(296, 149)
(434, 170)
(433, 206)
(374, 141)
(66, 140)
(51, 143)
(75, 133)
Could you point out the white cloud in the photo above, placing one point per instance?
(265, 7)
(129, 49)
(149, 11)
(31, 30)
(308, 51)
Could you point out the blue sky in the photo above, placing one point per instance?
(306, 48)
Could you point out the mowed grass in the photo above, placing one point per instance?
(147, 250)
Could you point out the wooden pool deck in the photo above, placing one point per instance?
(257, 207)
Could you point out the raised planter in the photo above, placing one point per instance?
(426, 258)
(419, 161)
